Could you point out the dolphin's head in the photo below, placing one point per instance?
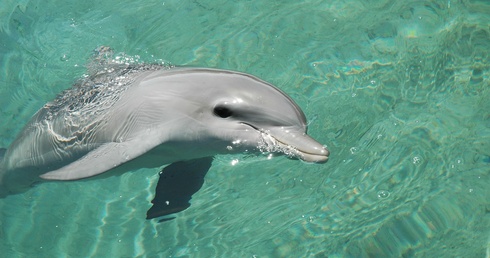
(249, 114)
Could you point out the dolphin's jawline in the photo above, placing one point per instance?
(290, 150)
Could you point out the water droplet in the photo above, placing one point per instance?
(416, 160)
(311, 218)
(383, 194)
(353, 150)
(64, 58)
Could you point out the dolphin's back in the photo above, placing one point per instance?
(67, 128)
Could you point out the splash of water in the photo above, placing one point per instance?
(268, 144)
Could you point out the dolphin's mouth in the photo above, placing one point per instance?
(310, 153)
(291, 143)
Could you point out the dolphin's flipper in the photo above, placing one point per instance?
(100, 160)
(177, 183)
(2, 153)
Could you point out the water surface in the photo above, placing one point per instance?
(398, 90)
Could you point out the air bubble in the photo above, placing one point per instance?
(64, 58)
(383, 194)
(353, 150)
(416, 160)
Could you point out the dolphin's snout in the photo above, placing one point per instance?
(319, 155)
(306, 148)
(312, 151)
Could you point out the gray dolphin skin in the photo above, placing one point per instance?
(126, 117)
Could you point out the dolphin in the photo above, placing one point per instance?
(125, 117)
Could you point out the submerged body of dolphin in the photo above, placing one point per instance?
(127, 117)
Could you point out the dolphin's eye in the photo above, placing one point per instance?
(222, 111)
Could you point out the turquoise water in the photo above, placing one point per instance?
(398, 90)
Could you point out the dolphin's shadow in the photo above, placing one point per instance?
(177, 183)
